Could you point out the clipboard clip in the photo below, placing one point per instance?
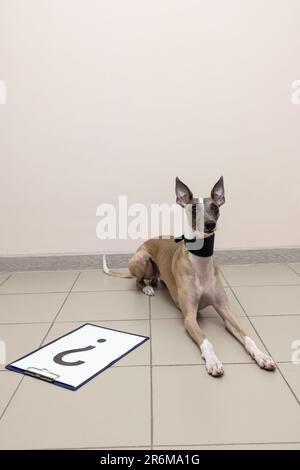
(42, 374)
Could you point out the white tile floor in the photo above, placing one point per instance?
(159, 396)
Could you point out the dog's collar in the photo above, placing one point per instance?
(207, 247)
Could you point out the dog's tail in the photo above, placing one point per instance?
(113, 273)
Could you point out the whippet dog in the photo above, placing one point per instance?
(187, 268)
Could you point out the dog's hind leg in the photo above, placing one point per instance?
(142, 266)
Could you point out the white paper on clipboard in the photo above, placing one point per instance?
(75, 358)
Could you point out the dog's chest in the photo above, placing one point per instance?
(204, 275)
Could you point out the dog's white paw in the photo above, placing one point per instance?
(148, 290)
(213, 366)
(263, 360)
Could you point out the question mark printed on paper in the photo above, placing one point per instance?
(59, 357)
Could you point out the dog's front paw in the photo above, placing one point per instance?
(148, 290)
(264, 361)
(215, 368)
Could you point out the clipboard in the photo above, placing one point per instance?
(75, 358)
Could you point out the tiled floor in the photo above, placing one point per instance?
(159, 396)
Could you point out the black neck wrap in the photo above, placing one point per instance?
(204, 252)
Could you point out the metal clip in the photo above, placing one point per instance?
(43, 374)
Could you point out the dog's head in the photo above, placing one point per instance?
(202, 214)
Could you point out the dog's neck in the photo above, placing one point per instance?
(201, 247)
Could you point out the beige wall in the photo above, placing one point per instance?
(109, 97)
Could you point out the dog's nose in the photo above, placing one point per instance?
(210, 225)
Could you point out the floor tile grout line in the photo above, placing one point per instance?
(200, 364)
(106, 320)
(67, 291)
(134, 290)
(176, 445)
(279, 263)
(294, 271)
(74, 270)
(285, 362)
(78, 321)
(41, 343)
(215, 315)
(98, 448)
(295, 284)
(141, 319)
(261, 286)
(267, 349)
(79, 274)
(26, 323)
(60, 309)
(286, 381)
(11, 398)
(33, 293)
(226, 444)
(151, 376)
(6, 279)
(175, 365)
(187, 364)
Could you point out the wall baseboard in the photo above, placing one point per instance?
(82, 262)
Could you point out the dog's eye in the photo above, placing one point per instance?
(214, 207)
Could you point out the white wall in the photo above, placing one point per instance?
(109, 97)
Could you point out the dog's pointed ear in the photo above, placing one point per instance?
(183, 194)
(218, 192)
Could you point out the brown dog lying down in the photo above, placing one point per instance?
(188, 270)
